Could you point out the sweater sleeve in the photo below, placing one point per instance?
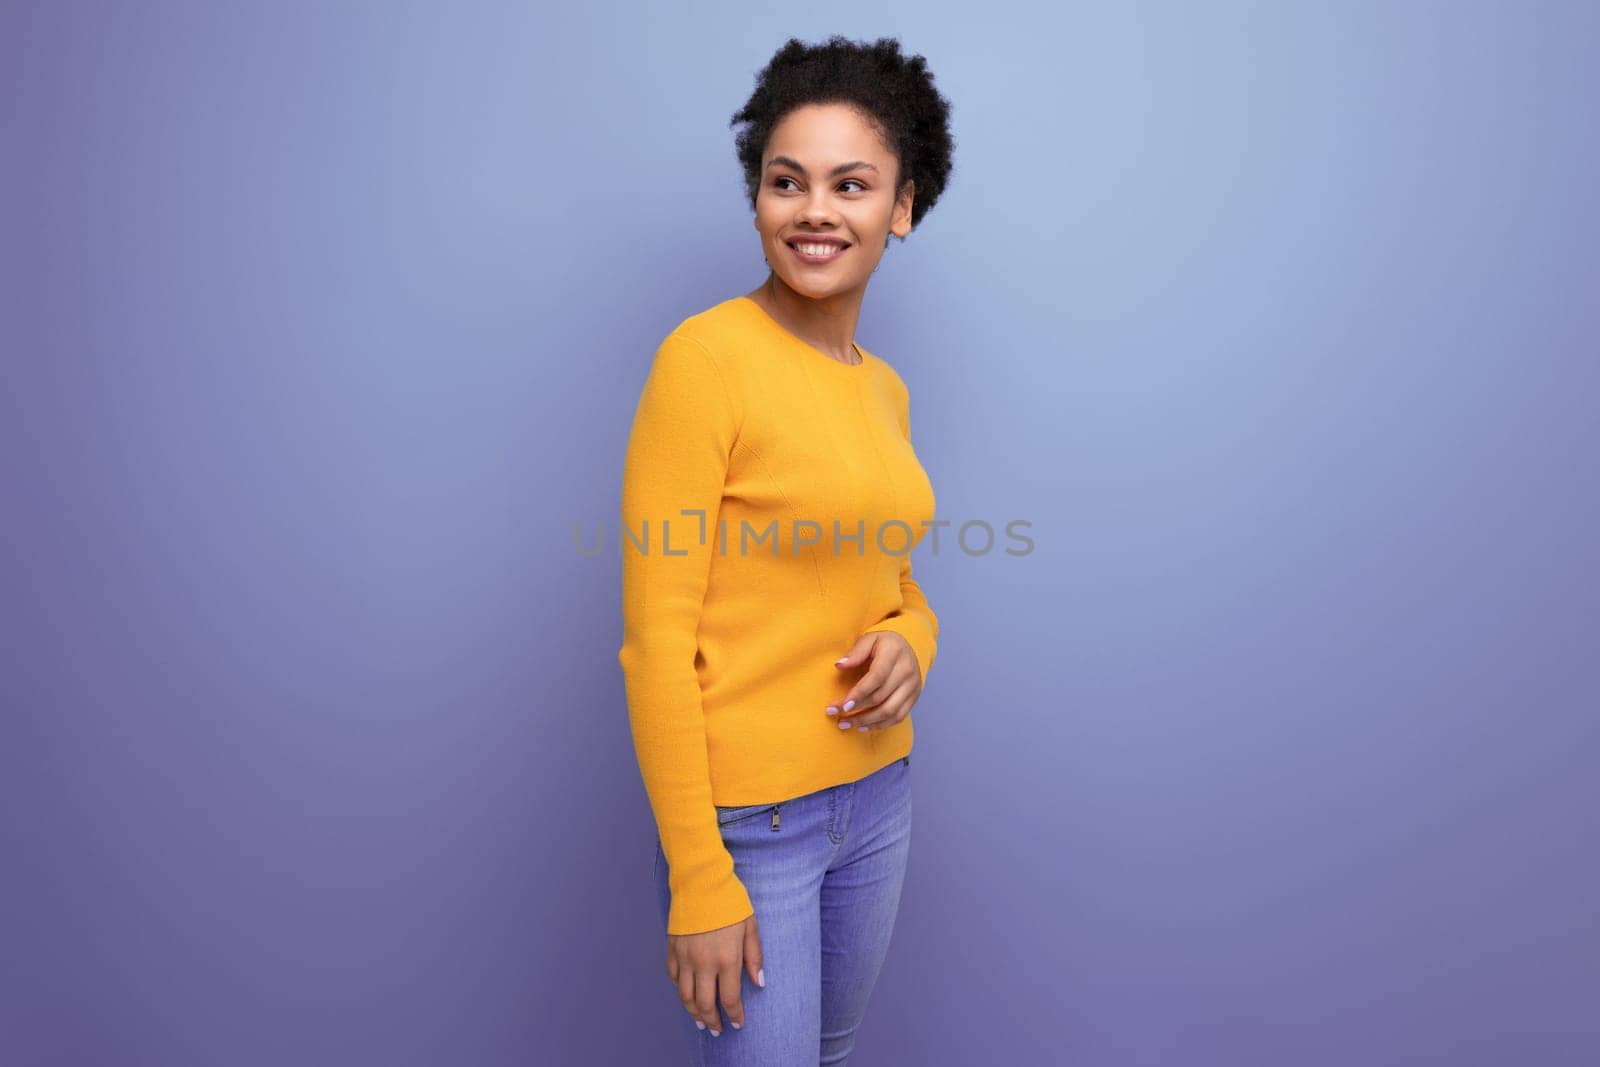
(915, 620)
(677, 459)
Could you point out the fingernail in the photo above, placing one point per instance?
(716, 1033)
(736, 1026)
(846, 725)
(700, 1024)
(848, 704)
(761, 977)
(840, 662)
(833, 711)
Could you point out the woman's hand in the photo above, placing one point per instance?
(699, 963)
(885, 694)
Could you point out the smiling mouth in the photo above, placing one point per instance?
(821, 252)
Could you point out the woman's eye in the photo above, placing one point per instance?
(778, 182)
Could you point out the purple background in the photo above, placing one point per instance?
(322, 329)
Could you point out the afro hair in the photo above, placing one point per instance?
(894, 92)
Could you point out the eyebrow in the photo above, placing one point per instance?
(785, 161)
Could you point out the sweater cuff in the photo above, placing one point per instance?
(702, 902)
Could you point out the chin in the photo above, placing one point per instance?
(808, 288)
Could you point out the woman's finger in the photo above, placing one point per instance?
(894, 708)
(866, 694)
(731, 987)
(705, 1000)
(901, 670)
(871, 687)
(686, 987)
(898, 669)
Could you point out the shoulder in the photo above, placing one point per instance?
(695, 362)
(706, 338)
(729, 337)
(723, 330)
(887, 374)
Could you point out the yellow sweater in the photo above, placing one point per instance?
(770, 499)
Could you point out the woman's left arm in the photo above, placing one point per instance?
(884, 695)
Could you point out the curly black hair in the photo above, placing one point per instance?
(895, 93)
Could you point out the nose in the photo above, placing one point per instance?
(816, 209)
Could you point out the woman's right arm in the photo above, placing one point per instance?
(677, 460)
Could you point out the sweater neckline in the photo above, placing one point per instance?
(846, 368)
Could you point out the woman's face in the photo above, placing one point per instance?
(825, 174)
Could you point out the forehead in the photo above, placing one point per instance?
(824, 134)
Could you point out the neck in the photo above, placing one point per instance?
(828, 324)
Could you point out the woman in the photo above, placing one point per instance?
(774, 639)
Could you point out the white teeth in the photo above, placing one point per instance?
(819, 250)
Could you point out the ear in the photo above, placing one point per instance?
(900, 220)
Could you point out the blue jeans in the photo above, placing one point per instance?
(824, 872)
